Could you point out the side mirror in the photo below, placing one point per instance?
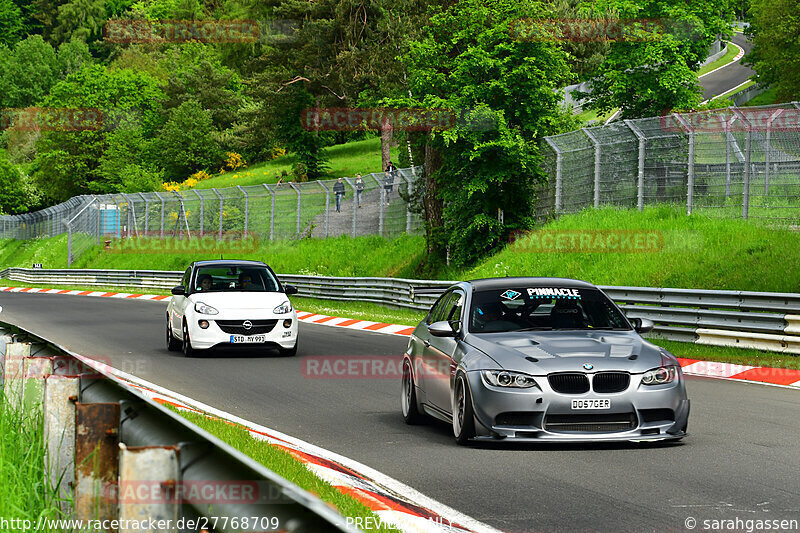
(180, 290)
(643, 325)
(441, 329)
(289, 289)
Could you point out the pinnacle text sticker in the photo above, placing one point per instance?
(553, 292)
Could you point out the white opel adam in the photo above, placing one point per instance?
(231, 304)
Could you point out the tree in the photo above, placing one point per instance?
(11, 25)
(775, 56)
(652, 70)
(482, 171)
(186, 144)
(80, 19)
(17, 195)
(69, 159)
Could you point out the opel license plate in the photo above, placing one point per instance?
(237, 339)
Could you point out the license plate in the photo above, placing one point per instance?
(591, 404)
(237, 339)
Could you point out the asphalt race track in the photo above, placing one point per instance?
(729, 77)
(741, 460)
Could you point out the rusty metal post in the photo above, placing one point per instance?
(60, 395)
(35, 370)
(14, 372)
(154, 469)
(96, 460)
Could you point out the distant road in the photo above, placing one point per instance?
(729, 77)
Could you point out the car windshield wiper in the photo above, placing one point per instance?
(535, 328)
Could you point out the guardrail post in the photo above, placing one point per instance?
(768, 150)
(690, 163)
(201, 211)
(60, 393)
(157, 469)
(246, 207)
(14, 372)
(221, 206)
(640, 176)
(271, 213)
(299, 206)
(597, 155)
(559, 177)
(327, 206)
(96, 461)
(35, 371)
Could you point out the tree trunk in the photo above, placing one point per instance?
(431, 201)
(387, 132)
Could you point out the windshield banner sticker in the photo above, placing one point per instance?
(553, 292)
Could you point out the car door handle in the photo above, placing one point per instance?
(427, 343)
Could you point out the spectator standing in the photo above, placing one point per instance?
(338, 190)
(388, 180)
(359, 189)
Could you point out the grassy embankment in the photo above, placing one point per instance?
(24, 494)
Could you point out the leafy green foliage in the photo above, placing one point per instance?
(504, 92)
(185, 143)
(10, 22)
(17, 195)
(70, 162)
(80, 19)
(653, 70)
(775, 26)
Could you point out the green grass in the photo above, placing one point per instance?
(698, 252)
(768, 97)
(341, 256)
(724, 60)
(25, 494)
(594, 115)
(345, 160)
(361, 310)
(284, 464)
(735, 90)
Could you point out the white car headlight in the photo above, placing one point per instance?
(660, 376)
(506, 379)
(204, 309)
(284, 308)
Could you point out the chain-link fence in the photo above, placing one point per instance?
(376, 206)
(734, 162)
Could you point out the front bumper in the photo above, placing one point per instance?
(639, 413)
(214, 337)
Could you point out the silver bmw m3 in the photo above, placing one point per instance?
(540, 359)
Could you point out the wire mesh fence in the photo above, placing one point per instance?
(734, 162)
(375, 206)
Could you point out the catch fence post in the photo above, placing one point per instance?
(559, 177)
(299, 206)
(768, 150)
(327, 205)
(690, 163)
(640, 176)
(200, 196)
(597, 155)
(221, 207)
(271, 213)
(246, 207)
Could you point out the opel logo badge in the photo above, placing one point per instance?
(588, 366)
(247, 324)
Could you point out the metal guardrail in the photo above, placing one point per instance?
(677, 313)
(139, 424)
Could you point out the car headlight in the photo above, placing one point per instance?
(660, 376)
(204, 309)
(284, 308)
(506, 379)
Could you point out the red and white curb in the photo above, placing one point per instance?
(733, 61)
(694, 367)
(394, 503)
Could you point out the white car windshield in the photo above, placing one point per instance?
(543, 308)
(234, 278)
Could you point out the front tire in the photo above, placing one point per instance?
(463, 415)
(188, 351)
(408, 398)
(173, 344)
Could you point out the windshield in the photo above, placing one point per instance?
(543, 308)
(234, 278)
